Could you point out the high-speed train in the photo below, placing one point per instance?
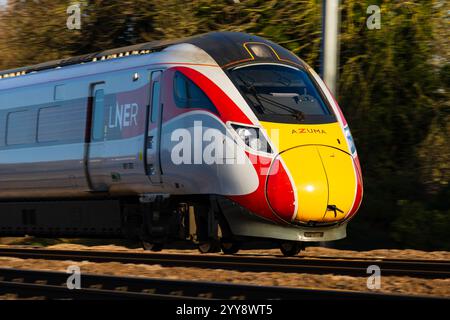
(219, 138)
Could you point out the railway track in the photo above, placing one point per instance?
(436, 269)
(52, 285)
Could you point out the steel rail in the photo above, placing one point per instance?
(433, 269)
(52, 285)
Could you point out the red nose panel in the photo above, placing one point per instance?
(282, 203)
(280, 193)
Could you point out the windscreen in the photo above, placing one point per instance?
(282, 94)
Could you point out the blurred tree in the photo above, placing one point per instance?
(34, 32)
(398, 112)
(422, 228)
(37, 30)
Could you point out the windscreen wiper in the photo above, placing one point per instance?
(252, 90)
(296, 113)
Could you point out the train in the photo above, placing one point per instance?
(221, 139)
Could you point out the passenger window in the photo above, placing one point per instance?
(60, 124)
(21, 128)
(99, 115)
(189, 95)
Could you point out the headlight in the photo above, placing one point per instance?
(252, 137)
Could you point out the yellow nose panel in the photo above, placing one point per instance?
(341, 182)
(316, 155)
(310, 180)
(325, 182)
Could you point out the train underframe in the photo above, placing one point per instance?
(213, 223)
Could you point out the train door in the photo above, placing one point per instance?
(95, 146)
(153, 133)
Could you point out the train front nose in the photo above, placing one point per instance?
(323, 180)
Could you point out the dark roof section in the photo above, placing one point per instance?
(227, 48)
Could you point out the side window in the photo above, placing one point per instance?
(189, 95)
(60, 124)
(155, 101)
(21, 127)
(98, 119)
(156, 91)
(180, 90)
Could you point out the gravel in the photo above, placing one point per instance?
(389, 284)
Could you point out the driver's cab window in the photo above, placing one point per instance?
(188, 95)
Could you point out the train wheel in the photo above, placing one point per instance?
(152, 246)
(208, 247)
(290, 248)
(229, 247)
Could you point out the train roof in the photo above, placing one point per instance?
(227, 48)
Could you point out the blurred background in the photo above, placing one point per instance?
(393, 85)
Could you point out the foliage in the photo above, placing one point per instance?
(421, 228)
(393, 82)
